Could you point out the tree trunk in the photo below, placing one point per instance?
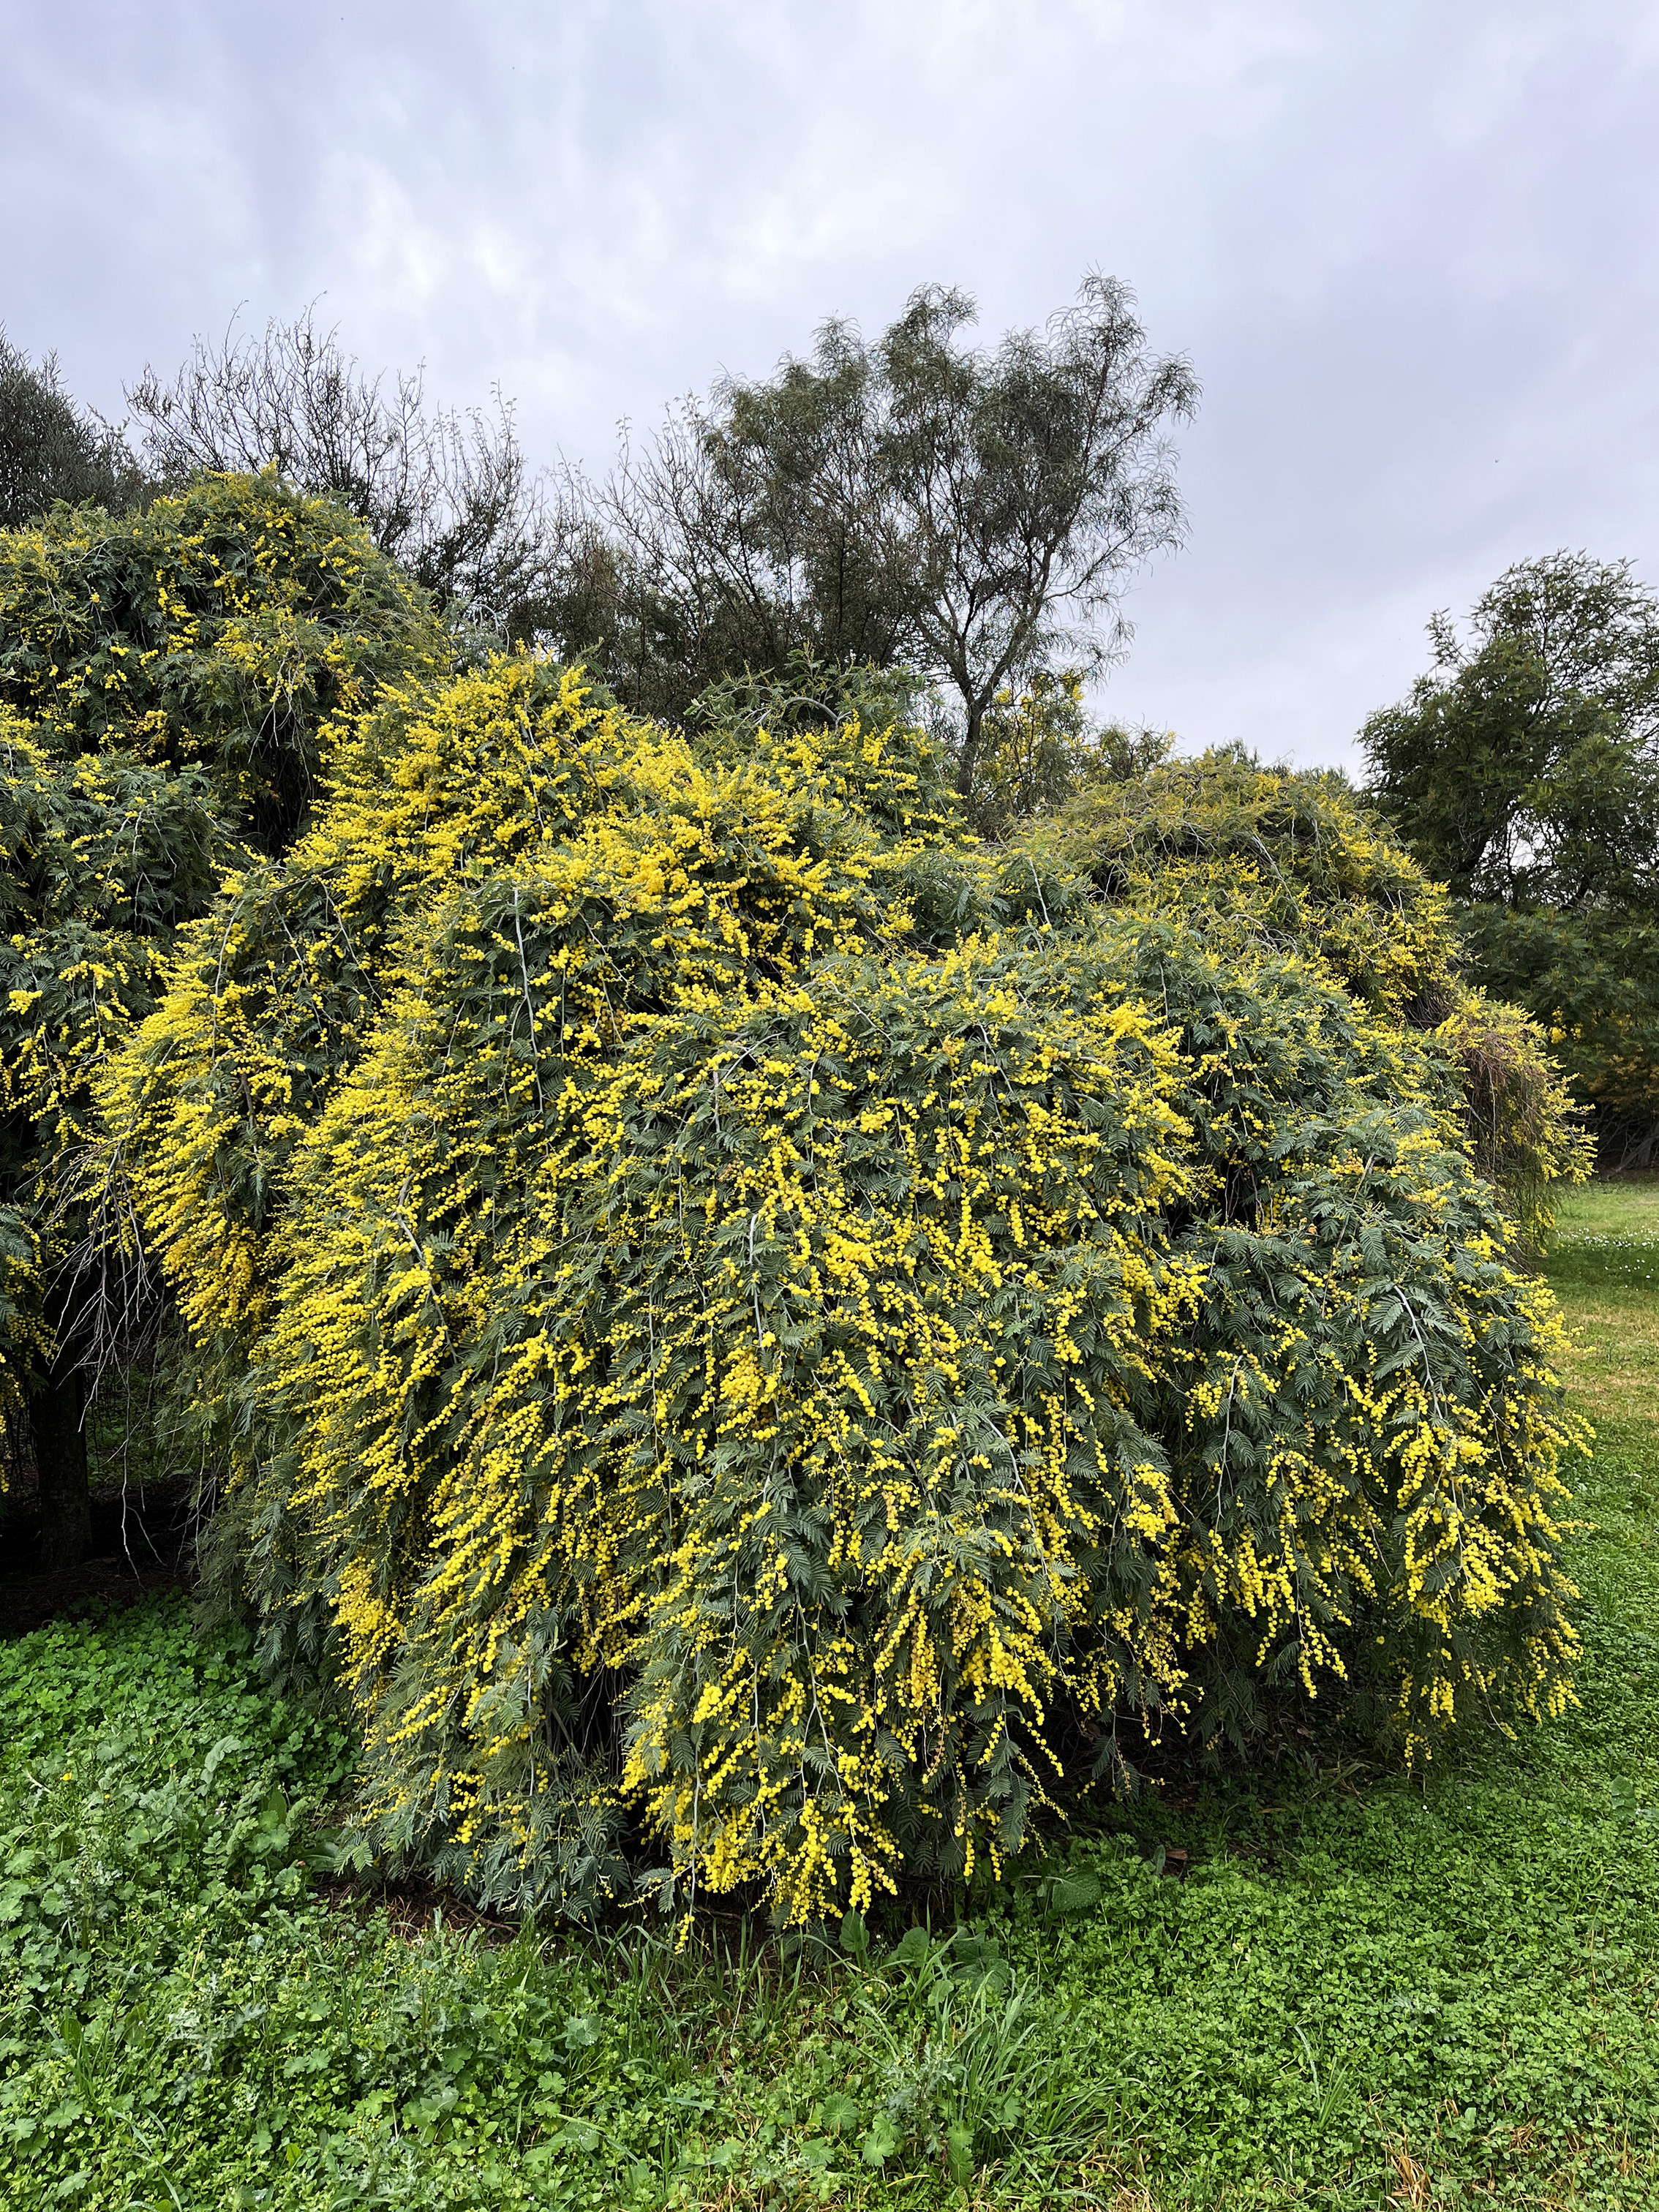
(57, 1410)
(968, 759)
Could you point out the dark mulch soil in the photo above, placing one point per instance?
(412, 1906)
(141, 1541)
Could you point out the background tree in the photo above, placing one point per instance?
(911, 500)
(445, 493)
(51, 449)
(1038, 748)
(1524, 770)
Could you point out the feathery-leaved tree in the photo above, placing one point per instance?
(910, 499)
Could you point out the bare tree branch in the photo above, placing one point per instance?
(445, 492)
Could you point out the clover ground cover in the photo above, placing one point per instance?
(1365, 1990)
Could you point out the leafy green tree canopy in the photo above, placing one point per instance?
(52, 450)
(1524, 770)
(1525, 767)
(905, 500)
(101, 858)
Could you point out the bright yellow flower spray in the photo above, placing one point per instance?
(763, 1327)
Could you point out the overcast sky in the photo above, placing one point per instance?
(1408, 248)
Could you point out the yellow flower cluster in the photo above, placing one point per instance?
(169, 676)
(215, 630)
(724, 1351)
(1277, 859)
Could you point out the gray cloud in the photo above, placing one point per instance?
(1405, 248)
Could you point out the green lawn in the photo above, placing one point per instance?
(1365, 1991)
